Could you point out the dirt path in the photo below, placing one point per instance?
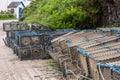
(11, 68)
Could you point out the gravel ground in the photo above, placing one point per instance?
(11, 68)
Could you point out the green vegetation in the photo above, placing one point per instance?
(63, 13)
(6, 16)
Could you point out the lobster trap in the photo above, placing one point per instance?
(24, 53)
(91, 58)
(6, 27)
(109, 71)
(72, 49)
(12, 26)
(24, 39)
(28, 52)
(39, 27)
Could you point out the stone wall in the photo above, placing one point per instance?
(110, 12)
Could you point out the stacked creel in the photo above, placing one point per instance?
(78, 53)
(63, 53)
(30, 42)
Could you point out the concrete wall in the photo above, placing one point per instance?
(5, 3)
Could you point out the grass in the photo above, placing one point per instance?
(6, 17)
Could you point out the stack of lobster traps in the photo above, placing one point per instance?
(29, 45)
(81, 55)
(78, 53)
(30, 42)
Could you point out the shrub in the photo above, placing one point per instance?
(62, 13)
(6, 16)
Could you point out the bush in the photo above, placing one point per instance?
(6, 16)
(62, 13)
